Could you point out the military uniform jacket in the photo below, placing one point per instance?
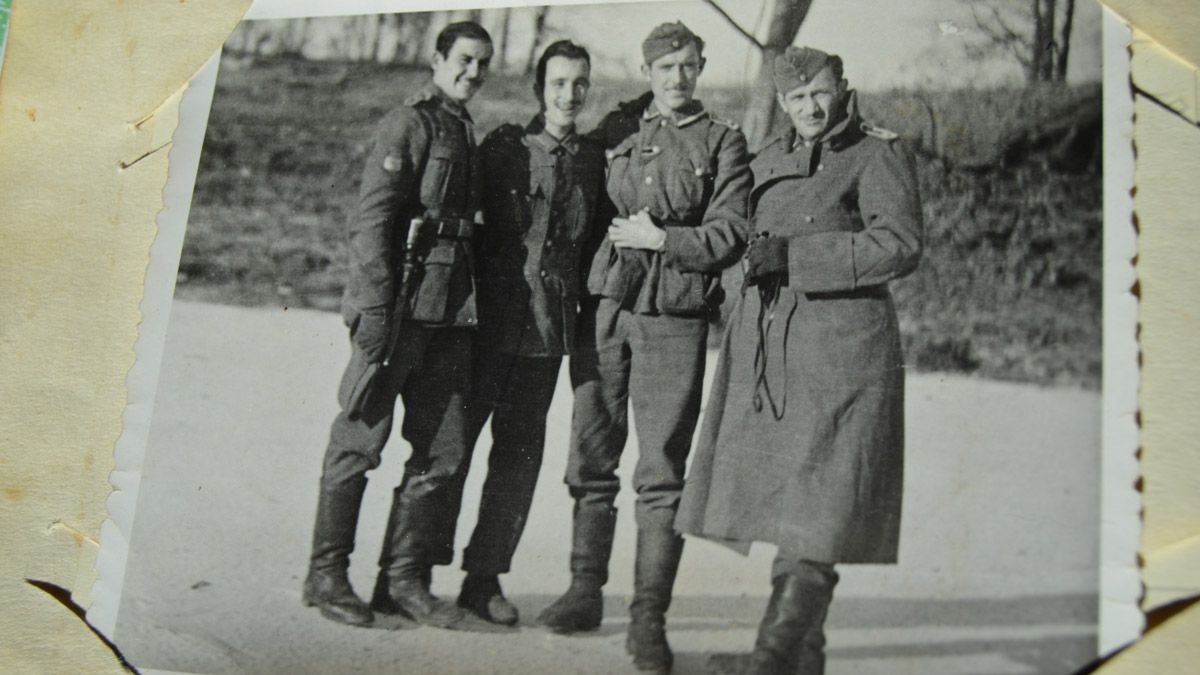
(540, 203)
(803, 439)
(692, 174)
(422, 162)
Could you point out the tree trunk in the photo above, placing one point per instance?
(1064, 42)
(501, 41)
(762, 115)
(539, 26)
(1049, 18)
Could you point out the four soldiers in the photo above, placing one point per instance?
(619, 266)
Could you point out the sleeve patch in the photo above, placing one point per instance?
(393, 163)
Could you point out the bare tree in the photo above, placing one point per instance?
(1064, 41)
(501, 40)
(786, 18)
(1028, 34)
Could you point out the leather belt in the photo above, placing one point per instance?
(454, 228)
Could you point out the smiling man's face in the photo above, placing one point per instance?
(463, 70)
(565, 90)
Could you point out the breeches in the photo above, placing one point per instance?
(655, 362)
(430, 371)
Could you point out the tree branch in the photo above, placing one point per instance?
(729, 19)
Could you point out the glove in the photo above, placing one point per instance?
(767, 257)
(371, 335)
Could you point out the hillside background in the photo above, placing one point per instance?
(1009, 287)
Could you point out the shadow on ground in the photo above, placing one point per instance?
(898, 623)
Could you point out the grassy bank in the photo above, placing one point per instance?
(1009, 287)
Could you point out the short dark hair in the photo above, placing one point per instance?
(460, 29)
(563, 48)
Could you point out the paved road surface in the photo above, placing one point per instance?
(998, 570)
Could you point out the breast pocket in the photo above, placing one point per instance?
(692, 187)
(443, 185)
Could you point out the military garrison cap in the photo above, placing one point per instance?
(667, 38)
(797, 66)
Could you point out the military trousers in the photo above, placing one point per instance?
(515, 392)
(430, 372)
(654, 362)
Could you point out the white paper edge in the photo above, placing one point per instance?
(1120, 618)
(182, 166)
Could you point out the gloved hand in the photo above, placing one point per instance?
(371, 335)
(768, 256)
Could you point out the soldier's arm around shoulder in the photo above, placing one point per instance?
(720, 239)
(498, 153)
(889, 245)
(389, 191)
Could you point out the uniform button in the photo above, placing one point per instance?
(549, 244)
(649, 180)
(820, 167)
(543, 274)
(663, 123)
(655, 149)
(808, 219)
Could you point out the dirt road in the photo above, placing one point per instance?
(998, 570)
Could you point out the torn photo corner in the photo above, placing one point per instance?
(1019, 520)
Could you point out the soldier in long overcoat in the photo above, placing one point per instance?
(803, 442)
(677, 184)
(416, 205)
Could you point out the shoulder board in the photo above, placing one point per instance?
(727, 123)
(777, 138)
(879, 132)
(418, 98)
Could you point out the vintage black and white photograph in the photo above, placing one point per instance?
(702, 336)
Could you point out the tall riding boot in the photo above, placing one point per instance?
(405, 575)
(791, 637)
(582, 607)
(326, 587)
(659, 548)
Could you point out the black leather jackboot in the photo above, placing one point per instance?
(327, 587)
(659, 549)
(403, 585)
(791, 637)
(581, 608)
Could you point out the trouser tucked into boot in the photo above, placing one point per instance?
(659, 549)
(413, 542)
(581, 608)
(327, 586)
(791, 637)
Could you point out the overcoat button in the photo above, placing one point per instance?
(649, 180)
(820, 167)
(808, 219)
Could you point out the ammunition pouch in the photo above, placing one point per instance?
(443, 278)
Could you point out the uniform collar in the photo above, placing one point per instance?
(689, 114)
(431, 92)
(536, 132)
